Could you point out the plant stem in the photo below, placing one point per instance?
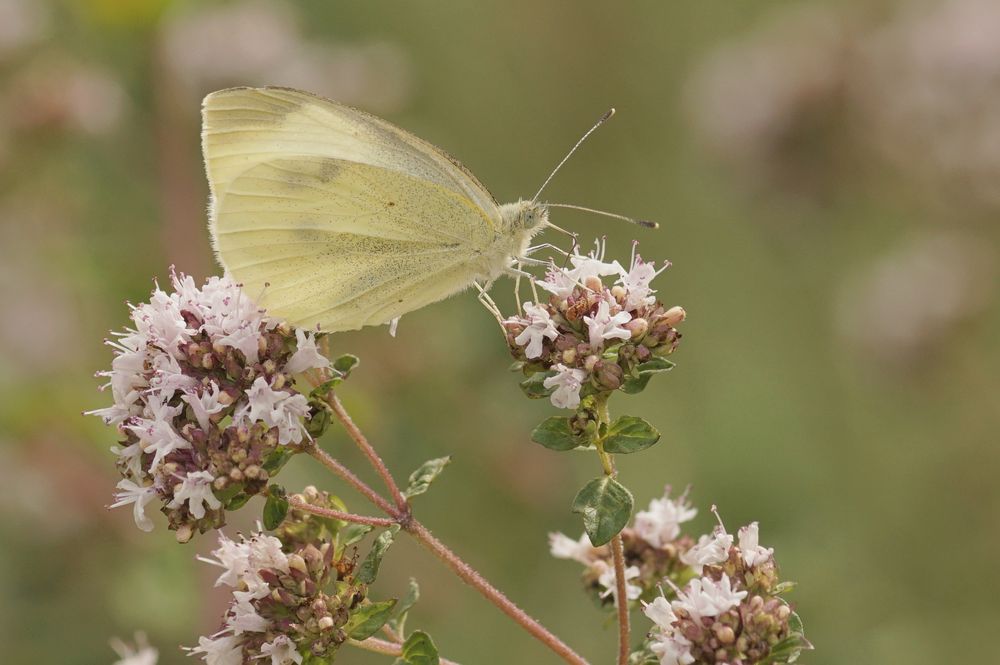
(339, 515)
(388, 648)
(621, 599)
(373, 457)
(491, 593)
(401, 515)
(339, 469)
(617, 551)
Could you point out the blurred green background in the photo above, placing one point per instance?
(826, 175)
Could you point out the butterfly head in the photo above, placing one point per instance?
(525, 216)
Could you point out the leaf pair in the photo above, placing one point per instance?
(628, 434)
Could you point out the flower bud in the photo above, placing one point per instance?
(608, 374)
(296, 562)
(594, 283)
(184, 533)
(590, 362)
(325, 623)
(673, 316)
(638, 327)
(618, 292)
(568, 356)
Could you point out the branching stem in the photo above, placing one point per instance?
(400, 514)
(339, 515)
(388, 648)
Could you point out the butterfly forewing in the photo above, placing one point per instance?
(332, 217)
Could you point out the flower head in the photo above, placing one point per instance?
(204, 396)
(598, 337)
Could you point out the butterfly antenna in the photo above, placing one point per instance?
(640, 222)
(604, 118)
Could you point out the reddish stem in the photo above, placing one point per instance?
(621, 599)
(373, 457)
(339, 515)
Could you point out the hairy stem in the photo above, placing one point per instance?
(617, 552)
(388, 648)
(491, 593)
(339, 469)
(621, 599)
(400, 514)
(339, 515)
(373, 457)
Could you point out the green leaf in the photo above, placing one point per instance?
(422, 478)
(352, 533)
(277, 459)
(534, 386)
(643, 373)
(789, 649)
(275, 508)
(556, 433)
(345, 364)
(319, 418)
(606, 506)
(237, 501)
(368, 619)
(369, 567)
(412, 596)
(630, 434)
(228, 493)
(419, 649)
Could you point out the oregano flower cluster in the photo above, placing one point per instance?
(295, 599)
(713, 600)
(592, 338)
(205, 402)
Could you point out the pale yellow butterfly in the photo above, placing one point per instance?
(334, 219)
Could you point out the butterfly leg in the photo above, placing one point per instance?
(490, 305)
(517, 290)
(546, 245)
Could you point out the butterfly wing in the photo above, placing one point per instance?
(335, 217)
(341, 245)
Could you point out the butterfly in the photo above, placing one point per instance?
(339, 219)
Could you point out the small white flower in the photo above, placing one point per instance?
(281, 650)
(750, 549)
(672, 649)
(276, 408)
(603, 326)
(160, 321)
(139, 497)
(539, 327)
(307, 355)
(709, 550)
(224, 650)
(636, 283)
(141, 654)
(133, 458)
(157, 432)
(704, 597)
(607, 580)
(567, 383)
(562, 546)
(559, 282)
(168, 377)
(660, 523)
(593, 265)
(243, 616)
(233, 557)
(660, 612)
(206, 404)
(196, 489)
